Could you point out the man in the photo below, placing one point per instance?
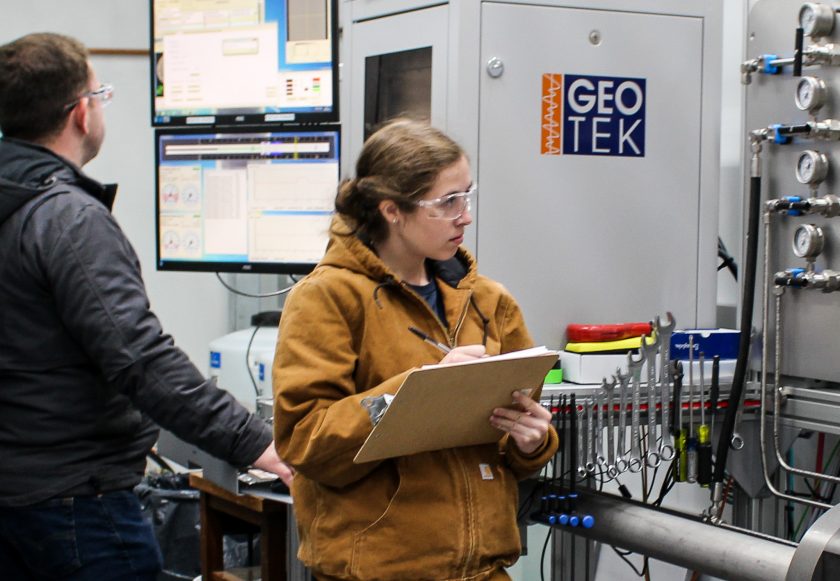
(85, 368)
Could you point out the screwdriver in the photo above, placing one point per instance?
(679, 432)
(704, 443)
(714, 394)
(691, 443)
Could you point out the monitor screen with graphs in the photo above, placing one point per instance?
(245, 201)
(225, 62)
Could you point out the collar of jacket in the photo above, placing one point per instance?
(345, 250)
(28, 170)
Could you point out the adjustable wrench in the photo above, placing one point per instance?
(590, 433)
(664, 332)
(621, 451)
(635, 368)
(648, 353)
(609, 389)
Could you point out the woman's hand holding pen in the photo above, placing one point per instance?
(464, 353)
(527, 427)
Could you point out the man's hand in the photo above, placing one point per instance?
(270, 462)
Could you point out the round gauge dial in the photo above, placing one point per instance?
(811, 94)
(816, 19)
(811, 167)
(808, 241)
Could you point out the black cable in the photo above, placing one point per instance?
(542, 553)
(747, 303)
(629, 563)
(667, 485)
(253, 296)
(727, 260)
(248, 359)
(652, 482)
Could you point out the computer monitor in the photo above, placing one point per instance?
(226, 62)
(245, 200)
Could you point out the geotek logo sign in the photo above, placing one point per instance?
(586, 115)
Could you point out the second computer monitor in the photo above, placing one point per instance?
(245, 201)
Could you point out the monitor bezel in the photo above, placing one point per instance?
(243, 119)
(258, 267)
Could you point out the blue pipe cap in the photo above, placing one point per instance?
(552, 519)
(588, 521)
(563, 519)
(574, 520)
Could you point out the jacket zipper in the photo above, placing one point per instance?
(461, 318)
(451, 340)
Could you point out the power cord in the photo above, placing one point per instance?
(256, 296)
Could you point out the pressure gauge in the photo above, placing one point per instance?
(811, 167)
(808, 241)
(816, 19)
(811, 94)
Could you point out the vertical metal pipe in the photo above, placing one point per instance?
(765, 321)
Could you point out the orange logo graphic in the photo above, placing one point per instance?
(552, 108)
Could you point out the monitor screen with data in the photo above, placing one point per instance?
(225, 62)
(245, 201)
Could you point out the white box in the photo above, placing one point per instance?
(594, 367)
(587, 368)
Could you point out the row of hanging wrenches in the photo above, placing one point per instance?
(619, 457)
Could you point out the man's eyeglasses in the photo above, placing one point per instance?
(105, 94)
(449, 207)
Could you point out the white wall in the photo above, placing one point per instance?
(193, 307)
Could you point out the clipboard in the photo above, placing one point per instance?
(448, 406)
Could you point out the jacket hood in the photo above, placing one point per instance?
(345, 250)
(27, 170)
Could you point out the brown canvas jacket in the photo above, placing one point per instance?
(344, 336)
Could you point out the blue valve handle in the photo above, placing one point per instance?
(793, 200)
(778, 137)
(768, 68)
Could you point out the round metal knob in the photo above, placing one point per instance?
(495, 67)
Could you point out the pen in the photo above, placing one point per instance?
(429, 340)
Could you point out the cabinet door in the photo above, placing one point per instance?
(589, 164)
(398, 67)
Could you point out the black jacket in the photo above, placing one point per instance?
(85, 368)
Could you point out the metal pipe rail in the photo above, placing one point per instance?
(683, 540)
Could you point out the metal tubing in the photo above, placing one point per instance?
(684, 541)
(763, 407)
(777, 405)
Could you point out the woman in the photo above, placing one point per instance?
(394, 261)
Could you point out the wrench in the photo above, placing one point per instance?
(609, 389)
(737, 441)
(621, 452)
(635, 368)
(581, 470)
(664, 332)
(600, 400)
(648, 353)
(590, 436)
